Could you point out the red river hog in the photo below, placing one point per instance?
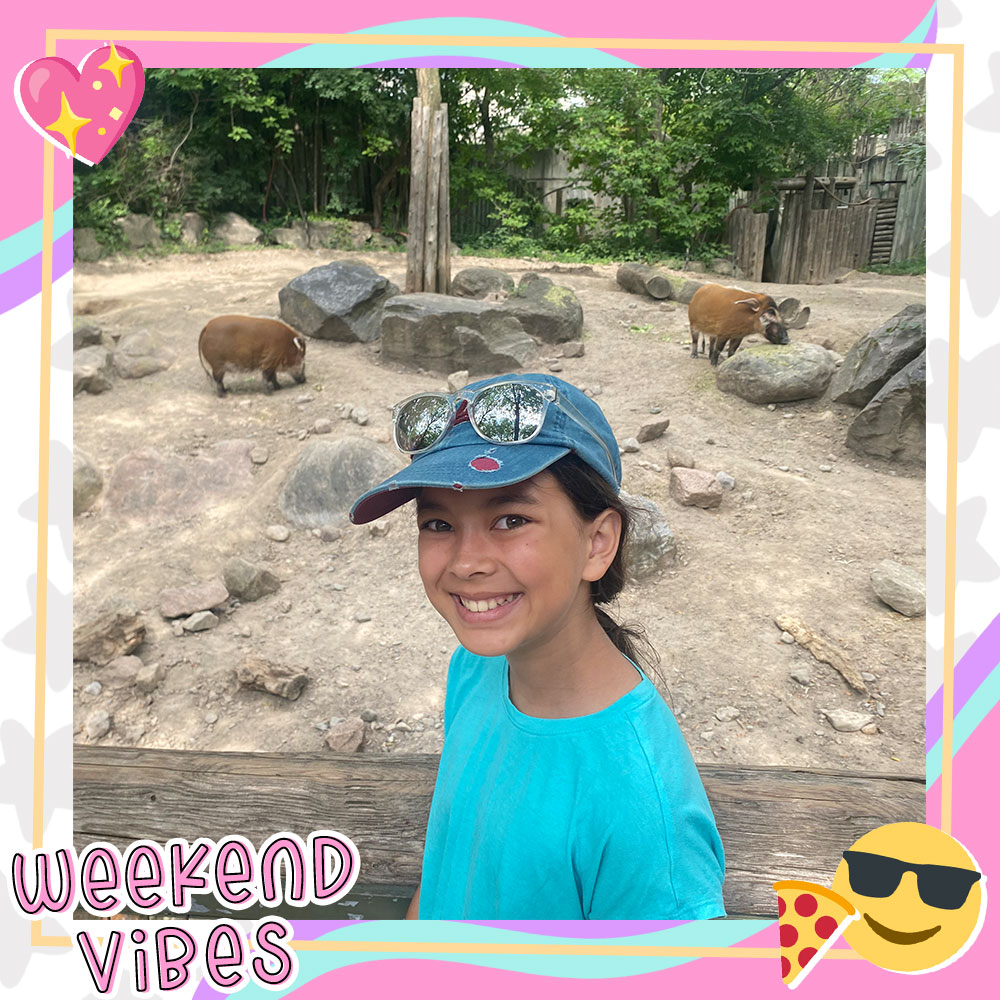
(730, 314)
(251, 344)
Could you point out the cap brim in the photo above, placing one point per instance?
(480, 466)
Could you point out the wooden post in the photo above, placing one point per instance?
(428, 263)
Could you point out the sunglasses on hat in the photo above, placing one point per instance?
(510, 412)
(940, 886)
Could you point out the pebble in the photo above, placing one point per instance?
(771, 407)
(359, 415)
(725, 480)
(826, 468)
(277, 533)
(801, 675)
(245, 632)
(178, 629)
(573, 349)
(378, 529)
(362, 616)
(783, 468)
(211, 718)
(345, 410)
(788, 416)
(322, 426)
(259, 455)
(330, 534)
(707, 735)
(306, 397)
(457, 380)
(656, 409)
(400, 727)
(709, 440)
(338, 586)
(787, 637)
(747, 495)
(368, 715)
(321, 726)
(846, 721)
(200, 621)
(285, 606)
(818, 732)
(303, 435)
(870, 729)
(94, 687)
(555, 365)
(866, 676)
(727, 713)
(97, 724)
(629, 446)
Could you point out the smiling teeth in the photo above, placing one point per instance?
(487, 605)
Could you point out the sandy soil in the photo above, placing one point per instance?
(800, 542)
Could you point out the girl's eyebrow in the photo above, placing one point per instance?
(513, 496)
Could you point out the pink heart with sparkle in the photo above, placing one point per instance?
(82, 111)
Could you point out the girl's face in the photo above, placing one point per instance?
(510, 568)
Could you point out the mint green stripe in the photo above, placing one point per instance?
(895, 60)
(23, 245)
(983, 700)
(705, 934)
(330, 56)
(456, 26)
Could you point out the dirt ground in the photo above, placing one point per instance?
(790, 539)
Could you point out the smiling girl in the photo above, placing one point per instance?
(565, 788)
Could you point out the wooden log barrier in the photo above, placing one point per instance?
(641, 278)
(775, 822)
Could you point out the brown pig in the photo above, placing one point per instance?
(250, 344)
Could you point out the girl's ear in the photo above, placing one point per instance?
(603, 535)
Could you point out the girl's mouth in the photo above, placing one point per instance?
(487, 609)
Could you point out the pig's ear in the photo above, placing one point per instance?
(754, 304)
(769, 316)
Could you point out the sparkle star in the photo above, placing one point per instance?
(114, 64)
(68, 124)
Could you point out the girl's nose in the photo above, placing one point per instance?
(471, 555)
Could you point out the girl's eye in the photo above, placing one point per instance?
(509, 521)
(435, 524)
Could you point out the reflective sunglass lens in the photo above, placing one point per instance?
(872, 874)
(508, 412)
(421, 422)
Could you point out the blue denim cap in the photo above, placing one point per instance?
(462, 460)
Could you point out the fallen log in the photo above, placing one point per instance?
(642, 279)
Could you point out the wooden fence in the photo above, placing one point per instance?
(774, 822)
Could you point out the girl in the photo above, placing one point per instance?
(565, 788)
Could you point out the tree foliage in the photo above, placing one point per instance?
(661, 150)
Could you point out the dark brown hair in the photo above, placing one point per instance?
(591, 495)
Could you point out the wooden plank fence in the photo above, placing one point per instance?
(775, 822)
(746, 234)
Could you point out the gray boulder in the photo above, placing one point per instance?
(85, 245)
(91, 370)
(339, 234)
(248, 582)
(88, 335)
(139, 231)
(338, 301)
(328, 477)
(650, 545)
(478, 282)
(235, 231)
(777, 373)
(892, 425)
(878, 355)
(87, 483)
(294, 235)
(192, 228)
(139, 354)
(444, 334)
(548, 312)
(900, 587)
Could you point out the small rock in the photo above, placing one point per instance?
(788, 416)
(368, 715)
(596, 390)
(727, 713)
(359, 415)
(285, 607)
(707, 735)
(652, 429)
(178, 602)
(771, 407)
(866, 676)
(97, 724)
(378, 529)
(347, 736)
(274, 678)
(870, 729)
(747, 495)
(846, 721)
(458, 380)
(573, 349)
(678, 457)
(555, 365)
(345, 410)
(304, 398)
(787, 637)
(784, 468)
(322, 726)
(400, 727)
(277, 533)
(801, 675)
(302, 435)
(330, 534)
(899, 587)
(211, 718)
(818, 732)
(322, 426)
(694, 488)
(248, 582)
(725, 480)
(178, 629)
(826, 468)
(93, 688)
(148, 678)
(259, 455)
(629, 446)
(656, 409)
(200, 621)
(362, 616)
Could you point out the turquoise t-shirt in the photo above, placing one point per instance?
(602, 816)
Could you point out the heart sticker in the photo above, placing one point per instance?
(82, 111)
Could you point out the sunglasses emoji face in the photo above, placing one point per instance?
(920, 894)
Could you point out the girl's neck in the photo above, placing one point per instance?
(585, 675)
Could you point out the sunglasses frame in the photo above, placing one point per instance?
(548, 392)
(922, 872)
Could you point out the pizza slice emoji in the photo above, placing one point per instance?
(810, 918)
